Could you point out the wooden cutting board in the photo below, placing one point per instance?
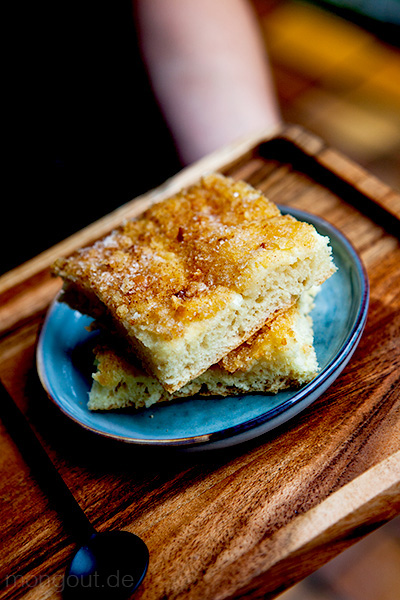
(252, 520)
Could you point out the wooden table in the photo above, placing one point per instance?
(250, 521)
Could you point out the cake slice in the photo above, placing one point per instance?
(196, 275)
(279, 356)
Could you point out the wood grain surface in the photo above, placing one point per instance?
(250, 521)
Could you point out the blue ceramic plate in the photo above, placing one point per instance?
(64, 366)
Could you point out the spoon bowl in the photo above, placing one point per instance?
(111, 564)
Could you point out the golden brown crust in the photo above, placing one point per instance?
(178, 263)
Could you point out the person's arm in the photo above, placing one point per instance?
(209, 70)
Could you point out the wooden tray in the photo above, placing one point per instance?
(249, 521)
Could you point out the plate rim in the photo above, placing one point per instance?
(342, 356)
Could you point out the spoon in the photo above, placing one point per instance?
(109, 564)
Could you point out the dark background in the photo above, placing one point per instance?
(85, 134)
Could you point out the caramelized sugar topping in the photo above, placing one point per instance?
(183, 258)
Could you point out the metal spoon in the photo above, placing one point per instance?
(110, 564)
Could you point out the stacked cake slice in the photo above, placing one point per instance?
(206, 292)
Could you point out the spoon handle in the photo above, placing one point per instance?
(43, 469)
